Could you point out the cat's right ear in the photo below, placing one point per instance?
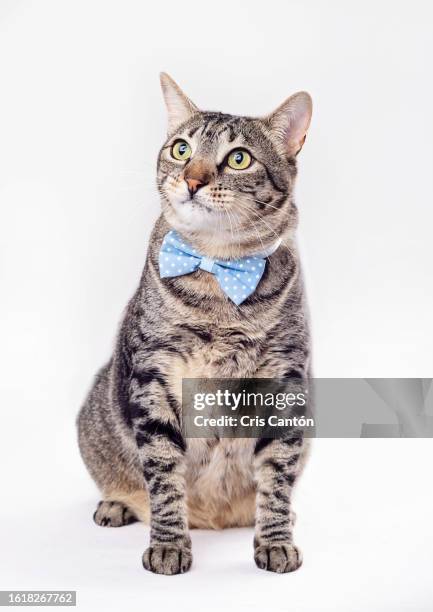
(291, 120)
(179, 106)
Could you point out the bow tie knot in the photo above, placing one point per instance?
(207, 264)
(238, 278)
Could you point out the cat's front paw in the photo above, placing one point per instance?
(280, 558)
(167, 559)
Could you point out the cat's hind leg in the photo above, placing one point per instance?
(113, 514)
(120, 508)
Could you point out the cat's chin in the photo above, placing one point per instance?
(196, 218)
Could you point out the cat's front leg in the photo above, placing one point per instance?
(169, 551)
(277, 463)
(161, 450)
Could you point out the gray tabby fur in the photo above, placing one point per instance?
(185, 327)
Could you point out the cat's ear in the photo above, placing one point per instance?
(179, 106)
(291, 120)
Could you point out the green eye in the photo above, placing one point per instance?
(181, 150)
(239, 160)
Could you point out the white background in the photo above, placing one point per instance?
(81, 121)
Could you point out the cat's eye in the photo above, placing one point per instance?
(181, 150)
(239, 160)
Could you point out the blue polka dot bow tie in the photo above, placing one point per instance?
(238, 278)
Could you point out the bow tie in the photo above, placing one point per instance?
(238, 278)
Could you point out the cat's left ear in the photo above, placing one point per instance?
(179, 106)
(291, 120)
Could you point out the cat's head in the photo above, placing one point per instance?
(226, 182)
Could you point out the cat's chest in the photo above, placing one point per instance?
(232, 355)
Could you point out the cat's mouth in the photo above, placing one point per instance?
(194, 201)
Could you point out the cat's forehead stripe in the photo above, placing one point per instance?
(211, 126)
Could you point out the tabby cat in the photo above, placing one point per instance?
(226, 186)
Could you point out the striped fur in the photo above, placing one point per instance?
(184, 327)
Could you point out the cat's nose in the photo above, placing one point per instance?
(194, 185)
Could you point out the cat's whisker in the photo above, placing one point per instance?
(231, 226)
(251, 222)
(237, 233)
(256, 201)
(262, 221)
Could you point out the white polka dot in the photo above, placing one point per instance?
(172, 265)
(257, 275)
(254, 268)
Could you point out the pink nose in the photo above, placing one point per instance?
(193, 185)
